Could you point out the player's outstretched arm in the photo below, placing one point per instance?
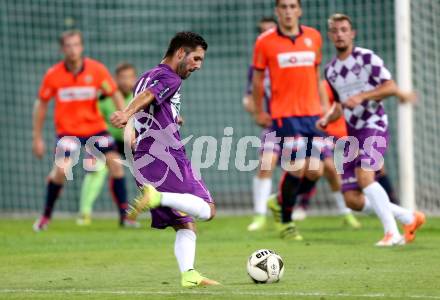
(388, 88)
(406, 96)
(120, 118)
(39, 114)
(334, 113)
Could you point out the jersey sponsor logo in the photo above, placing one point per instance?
(163, 92)
(296, 59)
(77, 94)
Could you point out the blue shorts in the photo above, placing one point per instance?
(300, 137)
(67, 144)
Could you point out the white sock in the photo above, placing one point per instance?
(340, 203)
(185, 249)
(367, 209)
(381, 205)
(261, 192)
(403, 215)
(187, 203)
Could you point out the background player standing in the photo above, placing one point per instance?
(75, 83)
(125, 75)
(292, 53)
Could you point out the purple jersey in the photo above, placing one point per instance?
(158, 122)
(362, 71)
(159, 157)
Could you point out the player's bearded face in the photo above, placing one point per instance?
(192, 61)
(342, 35)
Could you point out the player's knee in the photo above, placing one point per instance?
(353, 200)
(57, 175)
(313, 175)
(115, 168)
(264, 174)
(364, 180)
(212, 212)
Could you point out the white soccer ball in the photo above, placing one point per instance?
(265, 266)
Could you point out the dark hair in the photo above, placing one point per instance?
(338, 17)
(278, 1)
(124, 66)
(186, 39)
(267, 20)
(69, 33)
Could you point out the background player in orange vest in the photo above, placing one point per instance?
(76, 82)
(292, 53)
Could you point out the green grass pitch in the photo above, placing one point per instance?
(105, 262)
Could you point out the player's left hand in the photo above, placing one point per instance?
(263, 119)
(180, 120)
(353, 101)
(321, 124)
(407, 97)
(119, 119)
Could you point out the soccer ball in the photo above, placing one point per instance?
(265, 266)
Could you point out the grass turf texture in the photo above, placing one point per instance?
(105, 262)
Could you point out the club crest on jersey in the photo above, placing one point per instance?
(88, 79)
(308, 42)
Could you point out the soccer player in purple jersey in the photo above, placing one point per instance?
(269, 151)
(360, 82)
(169, 188)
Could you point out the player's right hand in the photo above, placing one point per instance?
(38, 147)
(321, 124)
(263, 119)
(119, 119)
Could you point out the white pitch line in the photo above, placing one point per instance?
(215, 293)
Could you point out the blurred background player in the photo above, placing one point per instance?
(292, 54)
(179, 196)
(337, 130)
(360, 82)
(262, 181)
(75, 83)
(125, 75)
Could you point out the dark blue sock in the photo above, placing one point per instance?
(385, 182)
(52, 193)
(119, 192)
(288, 191)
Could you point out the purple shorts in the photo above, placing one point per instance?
(372, 147)
(175, 176)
